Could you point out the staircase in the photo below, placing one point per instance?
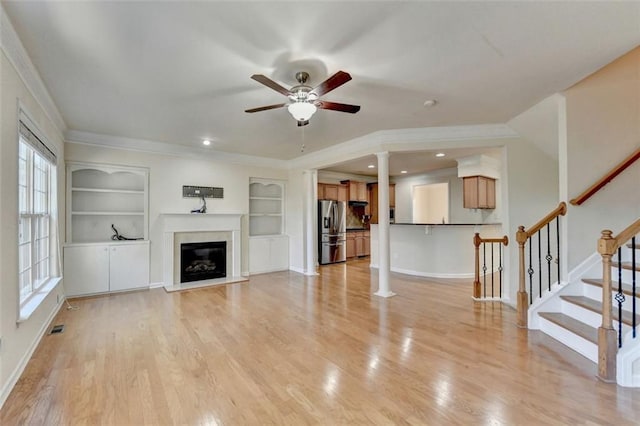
(574, 314)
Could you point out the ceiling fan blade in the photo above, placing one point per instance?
(336, 80)
(338, 106)
(271, 84)
(264, 108)
(303, 123)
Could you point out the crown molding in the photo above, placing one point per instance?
(17, 55)
(399, 140)
(143, 145)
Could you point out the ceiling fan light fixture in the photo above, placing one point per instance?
(302, 111)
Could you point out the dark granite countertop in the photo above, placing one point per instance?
(447, 224)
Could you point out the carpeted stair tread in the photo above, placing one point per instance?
(573, 325)
(595, 306)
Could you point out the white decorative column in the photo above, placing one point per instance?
(383, 226)
(310, 209)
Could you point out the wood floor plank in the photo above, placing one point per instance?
(284, 348)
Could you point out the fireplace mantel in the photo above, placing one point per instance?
(178, 223)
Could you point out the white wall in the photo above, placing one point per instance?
(532, 192)
(167, 175)
(18, 340)
(603, 127)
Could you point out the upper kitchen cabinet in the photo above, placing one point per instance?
(479, 192)
(357, 191)
(330, 191)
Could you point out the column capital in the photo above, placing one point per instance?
(382, 154)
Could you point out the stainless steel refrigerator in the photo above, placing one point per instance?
(332, 237)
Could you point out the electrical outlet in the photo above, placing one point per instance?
(58, 299)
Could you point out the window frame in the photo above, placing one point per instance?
(37, 206)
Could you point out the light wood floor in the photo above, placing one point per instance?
(288, 349)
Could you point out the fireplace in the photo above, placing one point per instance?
(203, 261)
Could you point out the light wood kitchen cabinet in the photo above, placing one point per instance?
(351, 245)
(479, 192)
(373, 200)
(367, 243)
(358, 244)
(330, 191)
(357, 190)
(343, 193)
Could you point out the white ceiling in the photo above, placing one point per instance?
(179, 72)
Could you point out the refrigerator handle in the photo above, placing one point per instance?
(334, 218)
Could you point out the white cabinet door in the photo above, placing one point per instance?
(128, 266)
(86, 270)
(268, 254)
(279, 258)
(259, 253)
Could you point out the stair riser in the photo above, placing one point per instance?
(627, 275)
(587, 316)
(577, 343)
(595, 292)
(581, 314)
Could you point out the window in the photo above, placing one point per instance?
(431, 203)
(36, 198)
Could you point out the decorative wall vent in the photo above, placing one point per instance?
(189, 191)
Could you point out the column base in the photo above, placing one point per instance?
(384, 294)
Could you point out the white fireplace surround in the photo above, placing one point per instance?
(180, 228)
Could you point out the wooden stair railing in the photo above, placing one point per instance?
(478, 241)
(523, 236)
(606, 179)
(608, 340)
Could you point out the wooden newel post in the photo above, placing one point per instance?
(523, 298)
(476, 283)
(607, 339)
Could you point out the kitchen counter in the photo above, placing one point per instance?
(448, 224)
(357, 229)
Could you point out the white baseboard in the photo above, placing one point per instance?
(13, 378)
(156, 285)
(427, 274)
(303, 271)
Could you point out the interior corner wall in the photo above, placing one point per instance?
(532, 192)
(167, 175)
(19, 340)
(603, 128)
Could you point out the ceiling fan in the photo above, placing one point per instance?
(305, 99)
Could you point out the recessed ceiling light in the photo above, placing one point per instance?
(371, 166)
(440, 154)
(430, 102)
(206, 142)
(403, 172)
